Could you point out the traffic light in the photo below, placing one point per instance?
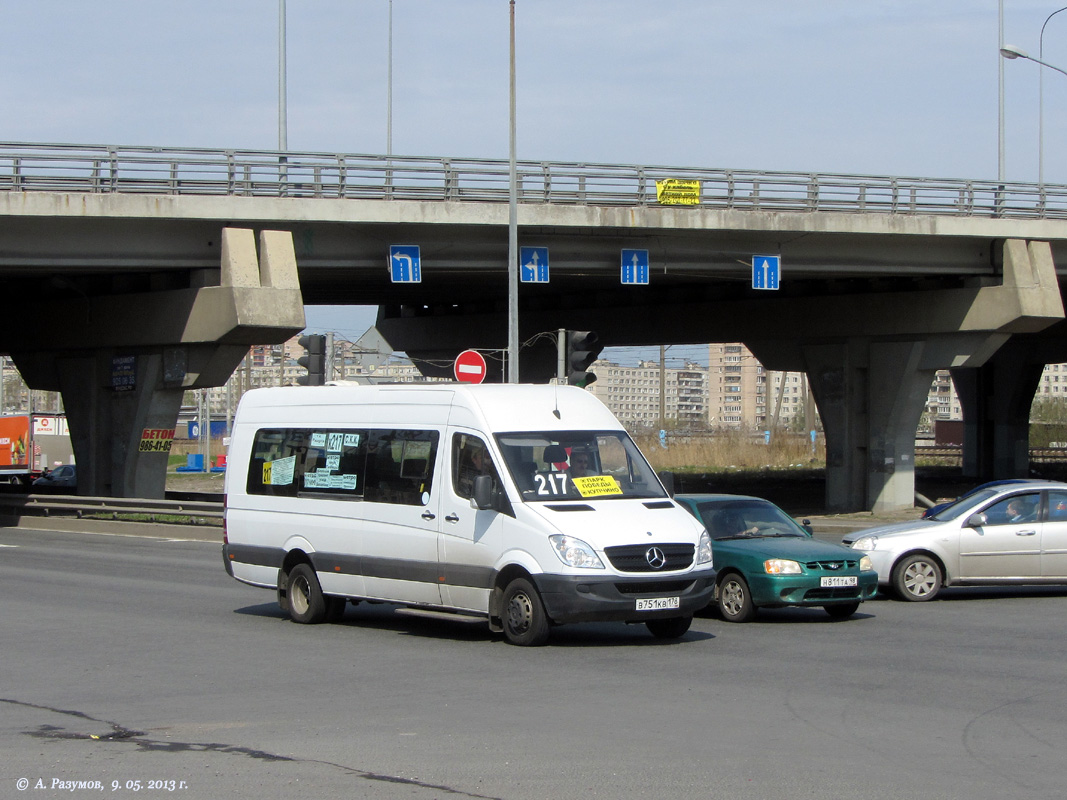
(582, 350)
(314, 361)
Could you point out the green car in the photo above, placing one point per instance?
(763, 558)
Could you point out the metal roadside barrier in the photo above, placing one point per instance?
(198, 512)
(102, 169)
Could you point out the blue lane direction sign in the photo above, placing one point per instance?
(635, 266)
(766, 271)
(404, 263)
(533, 264)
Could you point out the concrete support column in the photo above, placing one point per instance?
(102, 414)
(106, 423)
(870, 396)
(178, 339)
(996, 399)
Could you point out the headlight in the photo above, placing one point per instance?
(865, 543)
(865, 563)
(781, 566)
(574, 552)
(704, 548)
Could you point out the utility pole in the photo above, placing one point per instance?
(561, 355)
(782, 377)
(330, 357)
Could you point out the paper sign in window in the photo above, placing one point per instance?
(597, 486)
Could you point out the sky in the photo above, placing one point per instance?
(907, 88)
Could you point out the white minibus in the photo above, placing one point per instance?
(527, 506)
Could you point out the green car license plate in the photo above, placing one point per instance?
(839, 580)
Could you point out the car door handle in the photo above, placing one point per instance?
(428, 515)
(1025, 533)
(452, 518)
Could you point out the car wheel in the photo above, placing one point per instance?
(524, 618)
(917, 578)
(669, 628)
(735, 600)
(306, 603)
(842, 610)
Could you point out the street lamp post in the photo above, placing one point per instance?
(1041, 101)
(513, 234)
(1012, 52)
(389, 90)
(1000, 95)
(282, 111)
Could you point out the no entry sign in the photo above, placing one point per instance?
(470, 367)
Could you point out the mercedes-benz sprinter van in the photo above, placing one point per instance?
(528, 506)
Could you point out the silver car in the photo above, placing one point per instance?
(1003, 535)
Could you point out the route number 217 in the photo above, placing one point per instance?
(551, 483)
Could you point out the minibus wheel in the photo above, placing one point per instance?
(306, 603)
(669, 628)
(524, 619)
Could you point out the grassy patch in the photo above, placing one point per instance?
(731, 451)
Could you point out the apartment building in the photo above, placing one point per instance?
(1053, 381)
(643, 395)
(942, 402)
(744, 395)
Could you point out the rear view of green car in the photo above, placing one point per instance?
(764, 559)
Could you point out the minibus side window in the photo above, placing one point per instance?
(289, 462)
(400, 466)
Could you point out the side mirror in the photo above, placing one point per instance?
(667, 479)
(482, 496)
(806, 523)
(977, 520)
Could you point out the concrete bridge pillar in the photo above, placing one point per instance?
(995, 399)
(870, 396)
(123, 361)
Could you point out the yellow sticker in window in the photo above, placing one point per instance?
(597, 486)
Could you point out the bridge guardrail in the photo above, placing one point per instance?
(199, 512)
(26, 167)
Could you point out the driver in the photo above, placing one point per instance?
(581, 464)
(1019, 510)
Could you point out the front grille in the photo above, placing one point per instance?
(831, 566)
(654, 587)
(633, 558)
(835, 593)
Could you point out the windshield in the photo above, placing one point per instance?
(578, 465)
(747, 519)
(964, 505)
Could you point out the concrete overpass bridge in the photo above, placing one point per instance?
(109, 253)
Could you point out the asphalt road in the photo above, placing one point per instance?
(129, 658)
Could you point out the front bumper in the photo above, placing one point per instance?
(804, 590)
(613, 598)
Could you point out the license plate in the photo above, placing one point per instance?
(839, 580)
(657, 603)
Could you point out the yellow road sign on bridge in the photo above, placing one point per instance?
(678, 192)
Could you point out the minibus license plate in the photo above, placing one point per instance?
(838, 580)
(657, 603)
